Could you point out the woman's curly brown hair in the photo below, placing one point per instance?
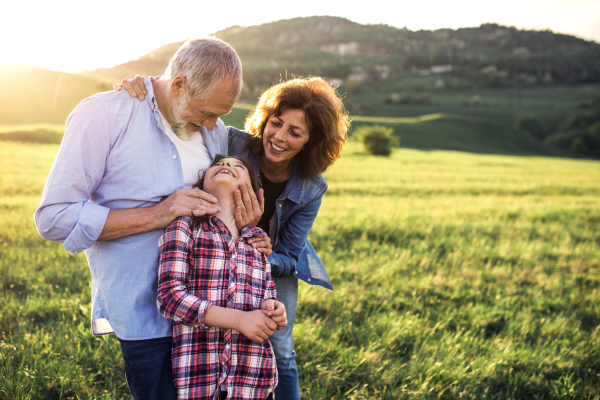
(325, 117)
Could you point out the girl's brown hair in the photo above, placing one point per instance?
(325, 117)
(200, 184)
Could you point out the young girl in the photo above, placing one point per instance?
(219, 293)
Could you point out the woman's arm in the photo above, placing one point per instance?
(291, 239)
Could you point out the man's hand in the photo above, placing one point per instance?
(262, 245)
(276, 311)
(248, 208)
(134, 85)
(184, 202)
(256, 326)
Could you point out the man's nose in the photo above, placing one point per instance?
(210, 123)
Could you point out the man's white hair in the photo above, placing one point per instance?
(206, 62)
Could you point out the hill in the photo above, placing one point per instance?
(489, 55)
(491, 73)
(36, 95)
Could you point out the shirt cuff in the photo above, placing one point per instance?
(202, 309)
(280, 266)
(88, 229)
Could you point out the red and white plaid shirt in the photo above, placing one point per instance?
(204, 266)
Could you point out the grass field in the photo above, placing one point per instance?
(457, 276)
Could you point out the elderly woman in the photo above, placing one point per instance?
(295, 133)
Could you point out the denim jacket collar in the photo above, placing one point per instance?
(299, 190)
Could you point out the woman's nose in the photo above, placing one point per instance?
(278, 134)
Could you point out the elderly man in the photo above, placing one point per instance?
(124, 172)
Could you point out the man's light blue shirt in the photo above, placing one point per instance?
(116, 154)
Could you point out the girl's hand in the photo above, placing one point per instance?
(256, 326)
(134, 85)
(262, 245)
(276, 311)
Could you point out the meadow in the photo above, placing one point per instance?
(456, 275)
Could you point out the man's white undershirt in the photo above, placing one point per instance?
(193, 154)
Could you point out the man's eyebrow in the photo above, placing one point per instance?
(208, 113)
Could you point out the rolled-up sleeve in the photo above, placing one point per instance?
(66, 213)
(174, 300)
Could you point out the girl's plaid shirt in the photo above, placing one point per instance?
(198, 268)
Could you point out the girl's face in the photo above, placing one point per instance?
(285, 136)
(227, 171)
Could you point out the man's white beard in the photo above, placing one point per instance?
(178, 124)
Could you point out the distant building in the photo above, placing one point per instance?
(342, 48)
(357, 77)
(436, 69)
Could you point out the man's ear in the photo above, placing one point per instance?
(178, 86)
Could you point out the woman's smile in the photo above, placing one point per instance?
(277, 148)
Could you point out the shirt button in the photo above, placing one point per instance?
(158, 125)
(279, 205)
(227, 346)
(174, 156)
(308, 279)
(296, 272)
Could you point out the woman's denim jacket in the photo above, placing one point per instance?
(296, 210)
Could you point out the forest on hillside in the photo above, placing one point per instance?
(490, 55)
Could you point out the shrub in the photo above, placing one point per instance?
(378, 140)
(531, 125)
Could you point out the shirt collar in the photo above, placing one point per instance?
(247, 231)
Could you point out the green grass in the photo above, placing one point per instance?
(456, 275)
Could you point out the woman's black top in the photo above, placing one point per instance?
(272, 191)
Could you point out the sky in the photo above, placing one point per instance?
(74, 35)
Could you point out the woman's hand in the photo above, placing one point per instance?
(276, 310)
(262, 245)
(134, 85)
(249, 208)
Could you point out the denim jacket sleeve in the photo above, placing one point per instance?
(291, 238)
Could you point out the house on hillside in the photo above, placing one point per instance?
(359, 77)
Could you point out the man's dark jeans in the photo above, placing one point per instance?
(148, 368)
